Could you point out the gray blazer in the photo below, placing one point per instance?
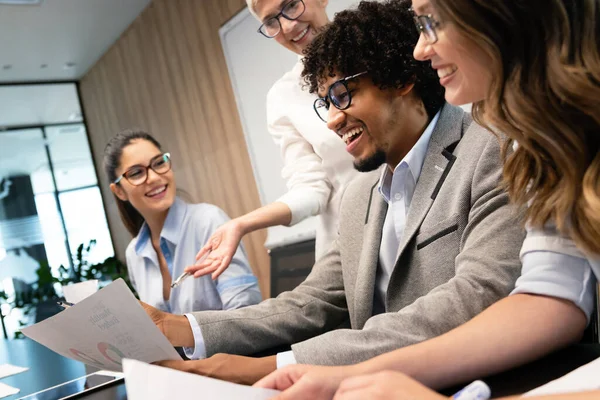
(459, 254)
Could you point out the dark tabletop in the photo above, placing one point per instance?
(46, 369)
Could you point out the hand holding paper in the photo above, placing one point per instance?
(103, 329)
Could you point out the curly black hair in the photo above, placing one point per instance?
(378, 37)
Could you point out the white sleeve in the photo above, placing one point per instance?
(554, 266)
(198, 352)
(130, 260)
(285, 358)
(308, 186)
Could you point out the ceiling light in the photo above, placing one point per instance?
(75, 116)
(6, 67)
(69, 65)
(44, 66)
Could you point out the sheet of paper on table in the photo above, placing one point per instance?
(6, 390)
(103, 329)
(584, 378)
(151, 382)
(8, 370)
(76, 292)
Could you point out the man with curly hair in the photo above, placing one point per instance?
(425, 243)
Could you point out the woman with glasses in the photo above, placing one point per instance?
(316, 165)
(167, 231)
(532, 70)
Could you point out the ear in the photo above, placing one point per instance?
(405, 89)
(324, 3)
(118, 191)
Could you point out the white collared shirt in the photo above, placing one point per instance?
(317, 167)
(397, 190)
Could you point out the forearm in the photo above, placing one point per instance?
(273, 214)
(563, 396)
(178, 330)
(516, 330)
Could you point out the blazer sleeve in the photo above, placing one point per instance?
(315, 306)
(485, 271)
(309, 189)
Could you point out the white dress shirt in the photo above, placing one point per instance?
(317, 166)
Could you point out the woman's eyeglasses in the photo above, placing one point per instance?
(291, 11)
(138, 174)
(426, 25)
(338, 94)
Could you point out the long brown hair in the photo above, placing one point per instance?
(545, 95)
(113, 151)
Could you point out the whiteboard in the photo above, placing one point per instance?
(255, 63)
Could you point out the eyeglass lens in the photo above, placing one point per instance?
(426, 26)
(291, 11)
(138, 175)
(338, 95)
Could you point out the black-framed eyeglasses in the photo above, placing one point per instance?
(426, 24)
(138, 174)
(338, 94)
(290, 11)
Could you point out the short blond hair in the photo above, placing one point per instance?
(252, 7)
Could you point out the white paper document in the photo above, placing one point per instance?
(151, 382)
(6, 390)
(103, 329)
(583, 379)
(8, 370)
(78, 291)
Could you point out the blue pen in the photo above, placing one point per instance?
(65, 304)
(477, 390)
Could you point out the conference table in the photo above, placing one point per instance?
(47, 368)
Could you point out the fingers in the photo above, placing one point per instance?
(222, 267)
(354, 383)
(204, 250)
(209, 265)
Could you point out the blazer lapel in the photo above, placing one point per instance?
(437, 165)
(369, 258)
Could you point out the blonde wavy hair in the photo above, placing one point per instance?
(545, 95)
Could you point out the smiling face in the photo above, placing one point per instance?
(295, 35)
(380, 126)
(157, 194)
(462, 66)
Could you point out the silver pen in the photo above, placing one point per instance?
(182, 277)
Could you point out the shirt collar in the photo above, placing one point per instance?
(170, 231)
(414, 159)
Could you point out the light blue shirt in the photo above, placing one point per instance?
(187, 228)
(554, 266)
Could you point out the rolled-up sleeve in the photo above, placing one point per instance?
(237, 285)
(554, 266)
